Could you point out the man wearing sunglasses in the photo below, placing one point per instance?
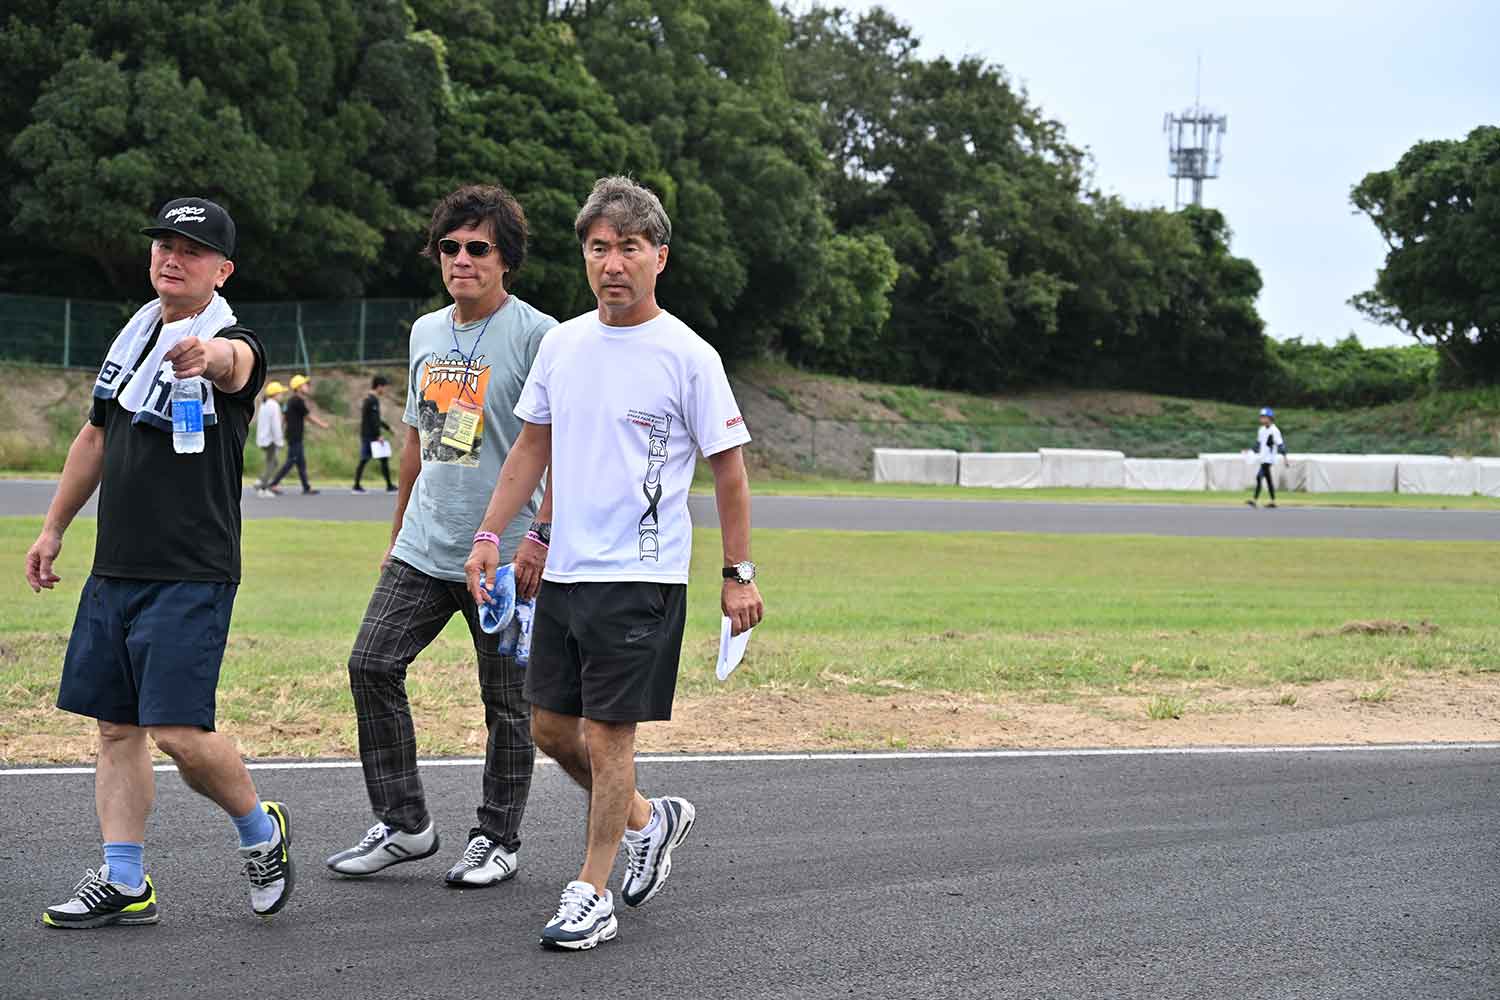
(468, 362)
(620, 403)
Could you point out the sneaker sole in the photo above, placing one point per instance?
(689, 814)
(111, 920)
(436, 843)
(291, 866)
(608, 932)
(459, 883)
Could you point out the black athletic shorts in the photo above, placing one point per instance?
(607, 651)
(146, 652)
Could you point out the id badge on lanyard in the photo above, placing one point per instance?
(464, 423)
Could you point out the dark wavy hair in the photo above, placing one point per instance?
(474, 205)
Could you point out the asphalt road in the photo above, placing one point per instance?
(870, 514)
(1287, 875)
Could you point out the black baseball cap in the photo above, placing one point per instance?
(199, 220)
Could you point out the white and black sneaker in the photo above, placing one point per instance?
(268, 865)
(98, 902)
(384, 846)
(649, 851)
(484, 863)
(584, 919)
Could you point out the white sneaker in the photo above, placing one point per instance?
(583, 920)
(384, 846)
(263, 493)
(650, 855)
(269, 865)
(484, 863)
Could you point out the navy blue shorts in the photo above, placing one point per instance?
(147, 652)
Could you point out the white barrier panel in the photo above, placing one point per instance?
(1351, 473)
(1082, 467)
(1000, 469)
(916, 465)
(1164, 474)
(1227, 470)
(1437, 475)
(1489, 476)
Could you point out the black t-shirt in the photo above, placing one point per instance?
(165, 516)
(296, 416)
(370, 423)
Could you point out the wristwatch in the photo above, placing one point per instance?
(543, 530)
(742, 572)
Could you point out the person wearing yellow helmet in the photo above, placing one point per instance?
(269, 435)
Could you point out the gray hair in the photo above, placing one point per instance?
(633, 209)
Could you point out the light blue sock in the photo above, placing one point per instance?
(127, 864)
(255, 827)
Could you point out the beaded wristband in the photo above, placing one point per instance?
(487, 536)
(532, 536)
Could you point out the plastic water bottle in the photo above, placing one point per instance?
(525, 613)
(187, 416)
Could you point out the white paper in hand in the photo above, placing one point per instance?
(731, 649)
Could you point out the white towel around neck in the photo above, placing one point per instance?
(148, 393)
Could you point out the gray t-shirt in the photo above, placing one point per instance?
(464, 442)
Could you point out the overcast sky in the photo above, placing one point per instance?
(1318, 94)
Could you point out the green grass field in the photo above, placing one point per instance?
(1048, 618)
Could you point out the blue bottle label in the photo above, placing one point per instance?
(187, 416)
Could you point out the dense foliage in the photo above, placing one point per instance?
(837, 198)
(1346, 374)
(1438, 210)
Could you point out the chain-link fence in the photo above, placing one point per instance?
(76, 333)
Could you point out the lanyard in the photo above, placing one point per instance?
(463, 385)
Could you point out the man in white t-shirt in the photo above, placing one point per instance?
(1269, 447)
(619, 403)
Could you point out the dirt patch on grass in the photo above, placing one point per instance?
(1385, 627)
(1415, 708)
(1419, 709)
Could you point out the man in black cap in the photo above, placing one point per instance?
(144, 655)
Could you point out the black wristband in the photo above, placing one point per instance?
(543, 530)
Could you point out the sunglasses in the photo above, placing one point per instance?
(476, 248)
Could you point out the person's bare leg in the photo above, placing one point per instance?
(124, 784)
(613, 799)
(564, 739)
(561, 738)
(210, 765)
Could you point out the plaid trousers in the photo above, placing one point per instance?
(406, 612)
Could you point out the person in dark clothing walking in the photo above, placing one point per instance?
(371, 445)
(297, 413)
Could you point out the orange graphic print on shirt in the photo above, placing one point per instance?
(450, 410)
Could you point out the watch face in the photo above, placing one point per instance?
(745, 571)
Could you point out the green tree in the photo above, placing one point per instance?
(306, 117)
(756, 262)
(1438, 211)
(974, 191)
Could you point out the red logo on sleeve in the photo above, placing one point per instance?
(734, 421)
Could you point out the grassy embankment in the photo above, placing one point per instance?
(1045, 619)
(813, 433)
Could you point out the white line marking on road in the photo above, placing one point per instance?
(742, 758)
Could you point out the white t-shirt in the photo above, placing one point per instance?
(1268, 444)
(268, 425)
(630, 409)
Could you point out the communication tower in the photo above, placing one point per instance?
(1195, 147)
